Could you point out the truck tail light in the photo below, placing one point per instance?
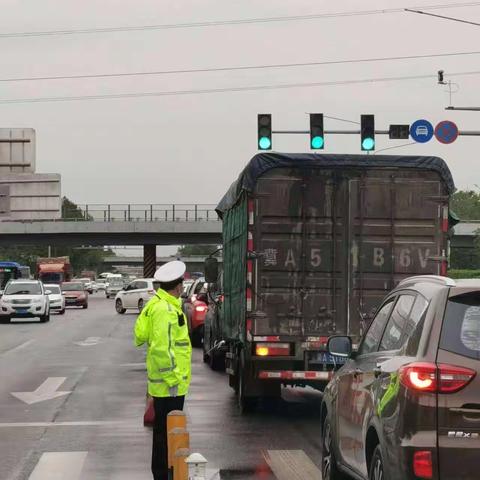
(422, 464)
(428, 377)
(272, 349)
(201, 308)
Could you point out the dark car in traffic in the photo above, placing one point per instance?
(406, 404)
(75, 294)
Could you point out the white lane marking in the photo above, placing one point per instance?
(89, 341)
(19, 347)
(87, 423)
(292, 465)
(133, 365)
(46, 391)
(59, 466)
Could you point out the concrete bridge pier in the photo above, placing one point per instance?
(149, 260)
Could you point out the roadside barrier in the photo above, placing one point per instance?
(182, 464)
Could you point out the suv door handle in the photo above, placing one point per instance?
(466, 410)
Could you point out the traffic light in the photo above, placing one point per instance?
(399, 132)
(317, 137)
(367, 132)
(264, 131)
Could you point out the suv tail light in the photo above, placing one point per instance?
(272, 349)
(422, 464)
(442, 378)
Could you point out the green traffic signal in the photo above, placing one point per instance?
(367, 132)
(368, 144)
(317, 142)
(264, 143)
(264, 129)
(317, 138)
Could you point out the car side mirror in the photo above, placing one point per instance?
(340, 345)
(48, 292)
(211, 270)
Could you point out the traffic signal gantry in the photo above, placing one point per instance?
(420, 131)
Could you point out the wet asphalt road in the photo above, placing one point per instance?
(94, 431)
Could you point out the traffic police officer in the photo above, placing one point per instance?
(162, 326)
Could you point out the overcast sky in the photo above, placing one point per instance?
(189, 148)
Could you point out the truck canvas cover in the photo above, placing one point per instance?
(332, 234)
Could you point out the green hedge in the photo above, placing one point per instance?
(455, 273)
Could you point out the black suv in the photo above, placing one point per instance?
(406, 405)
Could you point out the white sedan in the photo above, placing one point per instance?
(57, 300)
(135, 295)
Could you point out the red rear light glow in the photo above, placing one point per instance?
(428, 377)
(420, 376)
(272, 349)
(201, 308)
(422, 464)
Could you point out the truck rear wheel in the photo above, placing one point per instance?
(246, 404)
(216, 360)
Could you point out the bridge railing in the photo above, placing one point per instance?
(140, 213)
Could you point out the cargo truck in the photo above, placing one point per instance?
(311, 244)
(54, 270)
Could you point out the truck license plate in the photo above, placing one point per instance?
(327, 358)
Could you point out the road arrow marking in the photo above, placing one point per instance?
(19, 347)
(59, 466)
(46, 391)
(89, 341)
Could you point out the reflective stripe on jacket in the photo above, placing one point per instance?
(162, 325)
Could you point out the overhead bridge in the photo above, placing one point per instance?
(147, 225)
(110, 233)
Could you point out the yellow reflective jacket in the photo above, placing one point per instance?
(162, 325)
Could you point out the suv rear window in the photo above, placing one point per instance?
(461, 326)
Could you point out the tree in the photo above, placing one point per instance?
(194, 250)
(466, 205)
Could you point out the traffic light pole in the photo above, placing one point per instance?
(465, 133)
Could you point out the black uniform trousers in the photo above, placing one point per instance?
(163, 406)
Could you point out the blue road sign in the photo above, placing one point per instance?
(421, 131)
(446, 132)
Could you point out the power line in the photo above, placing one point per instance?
(216, 23)
(224, 90)
(236, 68)
(443, 17)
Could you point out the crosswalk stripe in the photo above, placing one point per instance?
(59, 466)
(292, 465)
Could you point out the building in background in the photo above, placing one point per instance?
(24, 194)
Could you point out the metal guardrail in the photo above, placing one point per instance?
(140, 213)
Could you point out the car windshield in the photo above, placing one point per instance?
(69, 287)
(23, 289)
(115, 282)
(55, 289)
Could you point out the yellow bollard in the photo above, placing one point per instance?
(177, 438)
(180, 468)
(175, 419)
